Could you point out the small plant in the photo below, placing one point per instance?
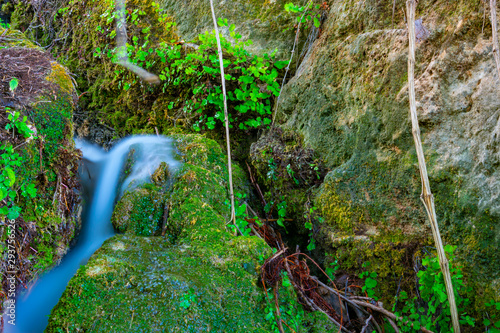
(241, 214)
(305, 15)
(291, 173)
(311, 216)
(187, 299)
(431, 309)
(18, 123)
(9, 161)
(492, 323)
(4, 25)
(370, 282)
(291, 312)
(281, 214)
(332, 269)
(13, 84)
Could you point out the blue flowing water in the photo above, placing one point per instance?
(100, 176)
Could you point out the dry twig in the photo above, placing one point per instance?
(121, 41)
(290, 62)
(426, 196)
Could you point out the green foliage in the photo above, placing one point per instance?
(291, 311)
(189, 94)
(9, 161)
(241, 214)
(431, 308)
(19, 124)
(187, 299)
(332, 268)
(492, 322)
(303, 14)
(370, 282)
(4, 25)
(312, 217)
(13, 83)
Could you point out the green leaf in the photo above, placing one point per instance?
(281, 64)
(14, 213)
(370, 283)
(13, 83)
(316, 22)
(449, 248)
(9, 173)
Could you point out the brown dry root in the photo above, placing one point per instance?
(349, 313)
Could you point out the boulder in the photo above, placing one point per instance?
(349, 100)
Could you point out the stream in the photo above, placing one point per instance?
(102, 182)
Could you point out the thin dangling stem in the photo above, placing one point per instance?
(226, 117)
(426, 196)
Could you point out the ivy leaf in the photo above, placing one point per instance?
(3, 192)
(280, 64)
(316, 22)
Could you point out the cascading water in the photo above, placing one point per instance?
(100, 175)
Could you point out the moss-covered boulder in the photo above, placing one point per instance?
(199, 277)
(349, 100)
(38, 160)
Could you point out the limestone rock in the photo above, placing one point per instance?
(349, 100)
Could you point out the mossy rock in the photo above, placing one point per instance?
(349, 100)
(139, 211)
(266, 23)
(47, 160)
(140, 284)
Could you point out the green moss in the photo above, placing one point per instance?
(49, 161)
(139, 211)
(15, 38)
(119, 291)
(60, 76)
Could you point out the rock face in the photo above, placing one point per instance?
(349, 100)
(199, 277)
(41, 166)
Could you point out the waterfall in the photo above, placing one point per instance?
(100, 175)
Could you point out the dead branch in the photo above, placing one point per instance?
(426, 196)
(366, 324)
